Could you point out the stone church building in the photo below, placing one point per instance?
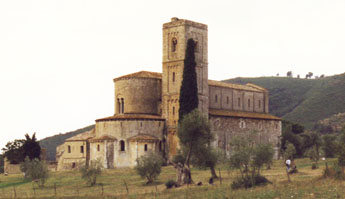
(147, 104)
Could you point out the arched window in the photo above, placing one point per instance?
(122, 105)
(173, 44)
(239, 102)
(248, 103)
(259, 103)
(216, 98)
(69, 148)
(118, 105)
(173, 110)
(81, 149)
(173, 77)
(227, 100)
(98, 147)
(122, 145)
(145, 147)
(73, 165)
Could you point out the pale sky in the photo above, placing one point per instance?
(58, 58)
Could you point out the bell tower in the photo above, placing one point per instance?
(175, 36)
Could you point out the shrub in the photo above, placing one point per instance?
(91, 172)
(170, 183)
(248, 182)
(35, 170)
(333, 172)
(149, 166)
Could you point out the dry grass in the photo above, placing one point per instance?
(307, 183)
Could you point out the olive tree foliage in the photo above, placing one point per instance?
(194, 133)
(149, 166)
(249, 157)
(91, 172)
(35, 170)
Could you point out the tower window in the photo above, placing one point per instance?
(122, 145)
(196, 46)
(160, 146)
(69, 148)
(145, 147)
(98, 147)
(173, 77)
(122, 105)
(216, 98)
(173, 110)
(173, 45)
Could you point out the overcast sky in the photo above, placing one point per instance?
(58, 58)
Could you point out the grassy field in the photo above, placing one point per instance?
(307, 183)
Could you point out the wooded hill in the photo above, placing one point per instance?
(303, 101)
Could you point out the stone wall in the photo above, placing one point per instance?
(122, 130)
(268, 131)
(11, 168)
(71, 156)
(236, 100)
(140, 95)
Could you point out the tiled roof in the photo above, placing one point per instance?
(83, 136)
(252, 115)
(103, 137)
(143, 137)
(235, 86)
(141, 74)
(131, 117)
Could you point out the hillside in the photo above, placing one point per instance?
(305, 101)
(50, 143)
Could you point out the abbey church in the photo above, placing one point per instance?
(147, 103)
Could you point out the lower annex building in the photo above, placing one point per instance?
(147, 104)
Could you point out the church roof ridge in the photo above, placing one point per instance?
(242, 114)
(83, 136)
(129, 116)
(140, 74)
(235, 86)
(145, 137)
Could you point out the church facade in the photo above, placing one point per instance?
(147, 104)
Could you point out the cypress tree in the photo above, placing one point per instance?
(189, 89)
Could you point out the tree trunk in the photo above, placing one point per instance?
(183, 175)
(213, 172)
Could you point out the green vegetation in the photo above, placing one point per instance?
(50, 143)
(90, 172)
(35, 170)
(249, 158)
(18, 150)
(149, 166)
(194, 134)
(307, 184)
(189, 91)
(305, 101)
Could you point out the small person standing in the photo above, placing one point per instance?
(288, 163)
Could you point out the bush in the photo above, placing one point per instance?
(333, 172)
(149, 166)
(170, 183)
(248, 182)
(35, 170)
(91, 172)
